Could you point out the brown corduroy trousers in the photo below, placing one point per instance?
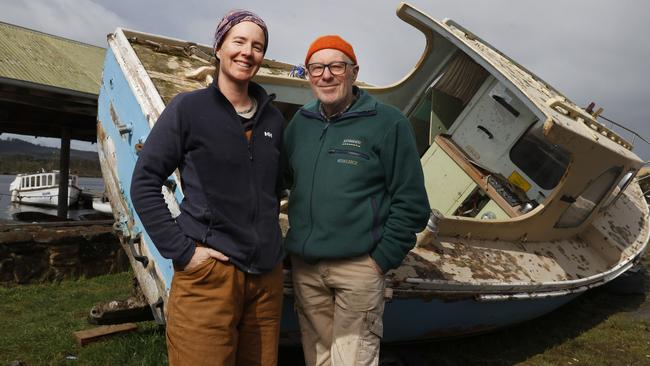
(219, 315)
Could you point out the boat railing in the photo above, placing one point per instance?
(578, 114)
(598, 115)
(634, 136)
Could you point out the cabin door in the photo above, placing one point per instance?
(491, 124)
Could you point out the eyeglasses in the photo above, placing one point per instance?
(336, 68)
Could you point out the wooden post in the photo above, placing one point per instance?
(64, 173)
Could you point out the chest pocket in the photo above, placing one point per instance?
(348, 156)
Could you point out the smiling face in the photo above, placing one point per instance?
(333, 91)
(241, 52)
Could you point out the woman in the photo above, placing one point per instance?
(226, 295)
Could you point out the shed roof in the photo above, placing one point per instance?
(40, 58)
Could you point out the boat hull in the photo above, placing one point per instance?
(417, 319)
(46, 197)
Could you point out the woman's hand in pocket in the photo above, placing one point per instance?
(202, 254)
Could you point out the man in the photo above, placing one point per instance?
(357, 201)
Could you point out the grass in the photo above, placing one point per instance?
(601, 327)
(37, 322)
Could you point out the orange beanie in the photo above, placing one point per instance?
(333, 42)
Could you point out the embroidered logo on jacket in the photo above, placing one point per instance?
(268, 134)
(351, 142)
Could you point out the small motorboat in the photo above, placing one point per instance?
(42, 189)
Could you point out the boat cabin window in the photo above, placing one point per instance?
(32, 181)
(38, 180)
(49, 179)
(582, 206)
(621, 186)
(24, 182)
(544, 163)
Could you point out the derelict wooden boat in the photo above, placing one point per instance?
(534, 199)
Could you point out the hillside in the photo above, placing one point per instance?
(18, 156)
(16, 146)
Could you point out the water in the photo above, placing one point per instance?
(94, 186)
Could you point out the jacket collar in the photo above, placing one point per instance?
(254, 89)
(365, 105)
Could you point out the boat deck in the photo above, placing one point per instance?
(447, 262)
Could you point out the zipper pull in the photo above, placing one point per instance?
(322, 134)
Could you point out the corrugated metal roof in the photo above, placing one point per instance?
(49, 60)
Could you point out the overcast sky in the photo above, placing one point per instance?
(596, 50)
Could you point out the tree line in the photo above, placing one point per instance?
(11, 164)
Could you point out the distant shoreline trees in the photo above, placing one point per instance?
(11, 164)
(19, 156)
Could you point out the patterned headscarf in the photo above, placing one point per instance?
(233, 18)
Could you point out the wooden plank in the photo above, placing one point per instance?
(86, 336)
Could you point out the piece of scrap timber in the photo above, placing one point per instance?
(94, 334)
(132, 310)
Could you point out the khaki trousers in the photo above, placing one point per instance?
(340, 305)
(219, 315)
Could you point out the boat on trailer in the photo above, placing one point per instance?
(533, 199)
(42, 189)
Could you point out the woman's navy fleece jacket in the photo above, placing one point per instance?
(229, 183)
